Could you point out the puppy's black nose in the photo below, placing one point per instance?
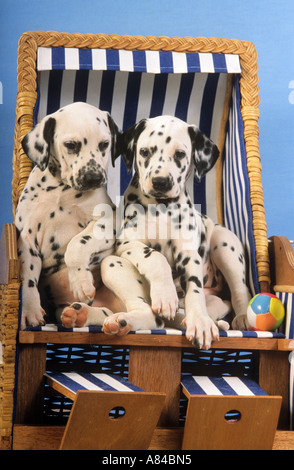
(92, 180)
(162, 184)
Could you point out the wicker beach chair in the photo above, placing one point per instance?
(214, 84)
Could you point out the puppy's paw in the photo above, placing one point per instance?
(240, 322)
(82, 284)
(32, 317)
(122, 323)
(117, 324)
(164, 300)
(80, 314)
(201, 331)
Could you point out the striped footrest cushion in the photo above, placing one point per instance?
(202, 385)
(69, 383)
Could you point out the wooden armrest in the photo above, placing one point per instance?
(282, 260)
(9, 262)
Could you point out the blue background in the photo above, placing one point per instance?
(269, 24)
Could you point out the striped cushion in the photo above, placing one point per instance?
(74, 381)
(167, 331)
(202, 385)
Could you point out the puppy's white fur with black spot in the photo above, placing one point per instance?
(193, 249)
(71, 150)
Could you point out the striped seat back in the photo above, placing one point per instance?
(195, 87)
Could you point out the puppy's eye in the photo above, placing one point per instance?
(103, 145)
(180, 154)
(73, 146)
(144, 152)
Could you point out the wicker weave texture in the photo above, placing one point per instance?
(9, 307)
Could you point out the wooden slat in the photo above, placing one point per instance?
(274, 380)
(31, 337)
(31, 368)
(286, 345)
(158, 370)
(49, 438)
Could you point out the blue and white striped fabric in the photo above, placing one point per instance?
(168, 331)
(135, 61)
(74, 381)
(287, 300)
(237, 206)
(203, 385)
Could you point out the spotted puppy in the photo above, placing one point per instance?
(163, 239)
(71, 149)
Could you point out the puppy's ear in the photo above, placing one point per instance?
(115, 135)
(127, 143)
(36, 143)
(205, 152)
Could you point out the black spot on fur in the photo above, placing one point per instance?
(196, 280)
(39, 147)
(49, 129)
(201, 251)
(147, 251)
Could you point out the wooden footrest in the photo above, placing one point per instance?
(109, 412)
(228, 413)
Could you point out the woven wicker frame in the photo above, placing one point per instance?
(27, 95)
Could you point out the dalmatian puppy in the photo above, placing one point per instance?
(70, 149)
(163, 238)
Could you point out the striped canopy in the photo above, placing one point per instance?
(132, 85)
(136, 61)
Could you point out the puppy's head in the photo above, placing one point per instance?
(75, 143)
(164, 150)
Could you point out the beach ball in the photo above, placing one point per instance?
(265, 312)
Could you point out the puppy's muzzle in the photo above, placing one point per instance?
(162, 184)
(92, 176)
(93, 180)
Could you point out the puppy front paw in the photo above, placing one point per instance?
(201, 331)
(240, 322)
(82, 284)
(32, 317)
(164, 300)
